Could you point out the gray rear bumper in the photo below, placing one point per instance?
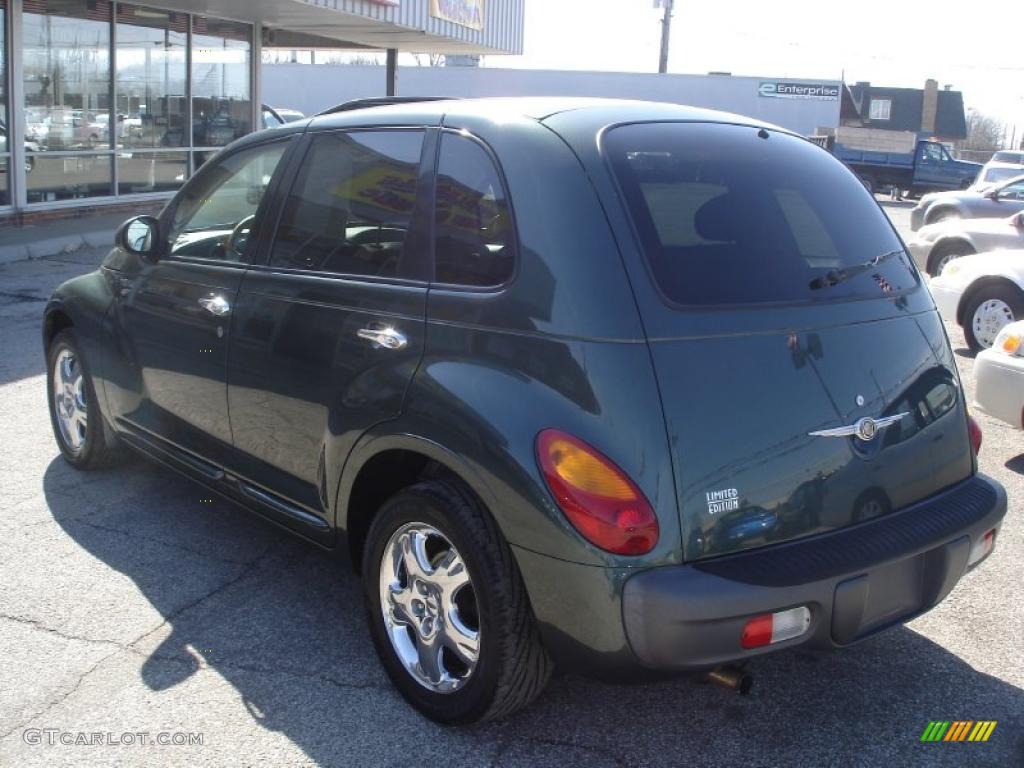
(855, 582)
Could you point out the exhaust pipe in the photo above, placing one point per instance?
(733, 678)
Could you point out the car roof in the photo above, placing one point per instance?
(576, 116)
(582, 110)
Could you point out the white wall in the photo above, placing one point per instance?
(311, 88)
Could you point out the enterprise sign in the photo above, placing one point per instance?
(808, 91)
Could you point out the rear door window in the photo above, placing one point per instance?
(473, 242)
(731, 214)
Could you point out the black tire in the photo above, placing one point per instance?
(1010, 295)
(869, 184)
(512, 667)
(944, 251)
(100, 448)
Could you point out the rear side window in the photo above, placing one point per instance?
(473, 227)
(351, 206)
(726, 216)
(1001, 174)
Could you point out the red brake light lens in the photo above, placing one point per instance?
(975, 432)
(757, 632)
(597, 497)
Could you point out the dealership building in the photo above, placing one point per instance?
(106, 103)
(804, 106)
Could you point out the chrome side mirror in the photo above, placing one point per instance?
(139, 236)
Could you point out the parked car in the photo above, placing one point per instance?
(30, 146)
(938, 244)
(999, 377)
(1004, 165)
(981, 293)
(601, 384)
(997, 201)
(275, 116)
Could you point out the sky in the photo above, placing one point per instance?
(887, 42)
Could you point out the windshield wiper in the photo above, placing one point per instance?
(836, 276)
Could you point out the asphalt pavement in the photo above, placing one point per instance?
(134, 609)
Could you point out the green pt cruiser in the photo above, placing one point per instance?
(616, 386)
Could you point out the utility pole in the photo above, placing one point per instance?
(666, 30)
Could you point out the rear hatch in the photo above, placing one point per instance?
(781, 309)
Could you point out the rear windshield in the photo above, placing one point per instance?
(734, 215)
(1008, 157)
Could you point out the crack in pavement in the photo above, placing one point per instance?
(250, 568)
(38, 625)
(60, 699)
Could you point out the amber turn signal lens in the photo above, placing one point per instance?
(585, 472)
(1011, 343)
(600, 501)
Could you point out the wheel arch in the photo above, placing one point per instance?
(943, 245)
(936, 209)
(384, 464)
(55, 319)
(981, 284)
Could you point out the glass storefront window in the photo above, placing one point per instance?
(139, 172)
(67, 74)
(67, 176)
(221, 87)
(151, 77)
(90, 131)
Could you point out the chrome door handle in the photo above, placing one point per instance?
(215, 304)
(387, 337)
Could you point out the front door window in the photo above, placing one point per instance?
(217, 210)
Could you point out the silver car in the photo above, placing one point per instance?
(935, 245)
(996, 201)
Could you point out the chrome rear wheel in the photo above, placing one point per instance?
(429, 608)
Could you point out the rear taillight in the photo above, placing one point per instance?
(599, 500)
(775, 627)
(975, 432)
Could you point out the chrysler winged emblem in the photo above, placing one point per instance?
(863, 429)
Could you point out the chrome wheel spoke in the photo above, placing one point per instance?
(401, 605)
(414, 556)
(67, 363)
(462, 641)
(430, 664)
(451, 573)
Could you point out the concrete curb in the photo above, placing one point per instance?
(52, 246)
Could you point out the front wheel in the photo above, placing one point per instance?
(988, 312)
(74, 412)
(448, 611)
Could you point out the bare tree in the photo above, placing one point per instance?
(983, 132)
(433, 60)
